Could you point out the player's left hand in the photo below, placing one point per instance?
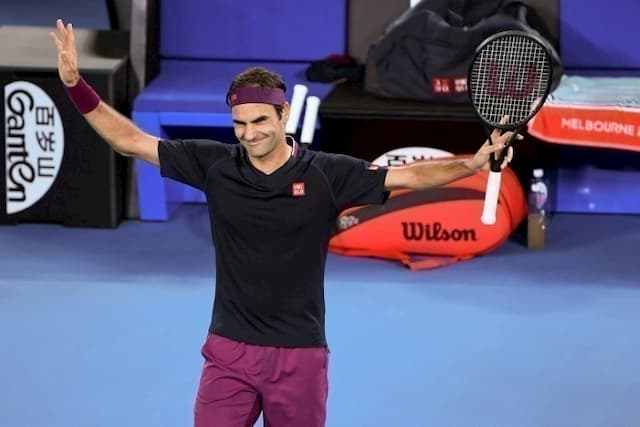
(494, 147)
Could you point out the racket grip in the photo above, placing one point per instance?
(295, 111)
(491, 198)
(310, 117)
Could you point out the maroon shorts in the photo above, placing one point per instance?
(239, 381)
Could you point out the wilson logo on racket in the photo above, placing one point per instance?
(512, 81)
(297, 189)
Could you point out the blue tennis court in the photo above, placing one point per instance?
(103, 328)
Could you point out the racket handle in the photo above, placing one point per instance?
(491, 198)
(496, 164)
(295, 110)
(310, 117)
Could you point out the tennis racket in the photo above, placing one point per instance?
(509, 80)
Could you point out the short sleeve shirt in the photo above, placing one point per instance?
(271, 233)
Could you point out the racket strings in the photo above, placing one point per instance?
(508, 77)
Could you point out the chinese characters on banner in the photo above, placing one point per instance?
(34, 144)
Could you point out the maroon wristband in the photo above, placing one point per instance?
(83, 96)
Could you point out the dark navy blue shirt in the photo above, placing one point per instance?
(271, 233)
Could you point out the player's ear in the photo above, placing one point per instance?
(285, 112)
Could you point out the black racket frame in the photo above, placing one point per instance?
(496, 162)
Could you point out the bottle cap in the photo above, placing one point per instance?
(538, 173)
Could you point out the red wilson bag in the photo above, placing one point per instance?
(431, 228)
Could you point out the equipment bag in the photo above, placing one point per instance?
(431, 228)
(425, 54)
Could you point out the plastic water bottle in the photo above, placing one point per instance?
(538, 210)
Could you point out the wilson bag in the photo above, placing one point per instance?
(431, 228)
(425, 54)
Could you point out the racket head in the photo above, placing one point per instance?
(510, 75)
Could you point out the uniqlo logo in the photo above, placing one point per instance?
(461, 84)
(297, 189)
(441, 85)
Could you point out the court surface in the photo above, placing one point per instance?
(103, 328)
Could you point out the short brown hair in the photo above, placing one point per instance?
(258, 77)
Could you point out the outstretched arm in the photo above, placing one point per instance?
(422, 175)
(116, 129)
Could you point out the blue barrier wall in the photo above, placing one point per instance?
(600, 34)
(300, 30)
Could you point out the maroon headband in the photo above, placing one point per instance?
(261, 95)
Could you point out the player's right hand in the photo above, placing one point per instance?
(67, 54)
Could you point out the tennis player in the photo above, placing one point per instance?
(272, 205)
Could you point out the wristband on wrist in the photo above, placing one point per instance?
(83, 96)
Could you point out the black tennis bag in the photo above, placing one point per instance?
(425, 54)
